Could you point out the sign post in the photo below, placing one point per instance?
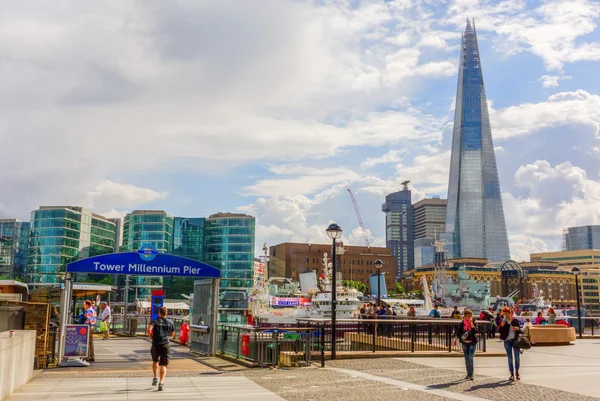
(145, 262)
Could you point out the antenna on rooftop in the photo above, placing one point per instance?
(405, 184)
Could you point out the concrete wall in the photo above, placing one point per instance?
(16, 360)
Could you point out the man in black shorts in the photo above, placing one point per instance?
(160, 330)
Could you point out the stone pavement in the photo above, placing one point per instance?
(573, 368)
(210, 388)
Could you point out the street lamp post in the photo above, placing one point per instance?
(576, 272)
(334, 232)
(378, 264)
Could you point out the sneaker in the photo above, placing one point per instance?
(511, 378)
(468, 377)
(154, 381)
(160, 387)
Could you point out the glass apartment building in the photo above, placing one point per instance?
(188, 238)
(14, 241)
(142, 227)
(229, 246)
(399, 226)
(581, 238)
(62, 234)
(475, 215)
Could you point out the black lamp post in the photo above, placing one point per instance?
(334, 232)
(378, 264)
(576, 272)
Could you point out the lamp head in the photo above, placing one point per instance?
(378, 264)
(575, 270)
(334, 231)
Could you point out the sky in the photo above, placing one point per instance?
(276, 107)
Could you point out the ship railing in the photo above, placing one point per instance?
(266, 346)
(390, 335)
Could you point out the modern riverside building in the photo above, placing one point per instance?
(430, 217)
(399, 228)
(424, 251)
(62, 234)
(142, 227)
(475, 216)
(229, 246)
(188, 238)
(580, 238)
(356, 263)
(14, 241)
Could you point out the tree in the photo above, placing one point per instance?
(418, 294)
(11, 278)
(399, 289)
(355, 284)
(108, 280)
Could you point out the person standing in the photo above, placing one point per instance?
(466, 333)
(509, 332)
(90, 319)
(551, 316)
(456, 314)
(435, 312)
(106, 318)
(411, 312)
(160, 331)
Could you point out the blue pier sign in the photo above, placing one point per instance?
(145, 262)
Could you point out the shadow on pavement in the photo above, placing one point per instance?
(502, 383)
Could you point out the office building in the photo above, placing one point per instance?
(14, 241)
(588, 259)
(188, 238)
(424, 252)
(62, 234)
(475, 216)
(229, 246)
(399, 234)
(589, 290)
(580, 238)
(356, 263)
(430, 218)
(142, 227)
(260, 272)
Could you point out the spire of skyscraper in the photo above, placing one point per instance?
(475, 216)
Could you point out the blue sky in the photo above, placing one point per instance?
(275, 107)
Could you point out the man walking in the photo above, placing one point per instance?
(90, 319)
(160, 330)
(106, 318)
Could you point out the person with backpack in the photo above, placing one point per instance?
(509, 333)
(160, 331)
(466, 333)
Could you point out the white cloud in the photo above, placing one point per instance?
(114, 195)
(550, 81)
(522, 246)
(579, 107)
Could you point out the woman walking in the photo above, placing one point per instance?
(509, 332)
(466, 333)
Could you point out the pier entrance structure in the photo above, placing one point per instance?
(147, 261)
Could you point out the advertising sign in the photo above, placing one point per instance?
(277, 301)
(76, 340)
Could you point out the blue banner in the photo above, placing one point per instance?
(145, 262)
(76, 340)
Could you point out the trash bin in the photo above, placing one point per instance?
(12, 317)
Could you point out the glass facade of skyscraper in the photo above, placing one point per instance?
(229, 246)
(399, 229)
(14, 241)
(188, 238)
(581, 238)
(142, 227)
(475, 215)
(62, 234)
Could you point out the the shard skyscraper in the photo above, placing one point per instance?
(475, 225)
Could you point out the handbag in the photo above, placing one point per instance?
(522, 342)
(103, 326)
(465, 336)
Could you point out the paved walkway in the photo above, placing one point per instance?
(573, 368)
(132, 389)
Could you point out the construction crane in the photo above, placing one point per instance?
(362, 226)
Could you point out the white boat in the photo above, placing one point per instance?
(314, 303)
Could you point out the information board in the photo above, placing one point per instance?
(76, 340)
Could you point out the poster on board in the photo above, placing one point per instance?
(76, 340)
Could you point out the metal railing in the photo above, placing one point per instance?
(133, 325)
(266, 346)
(379, 335)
